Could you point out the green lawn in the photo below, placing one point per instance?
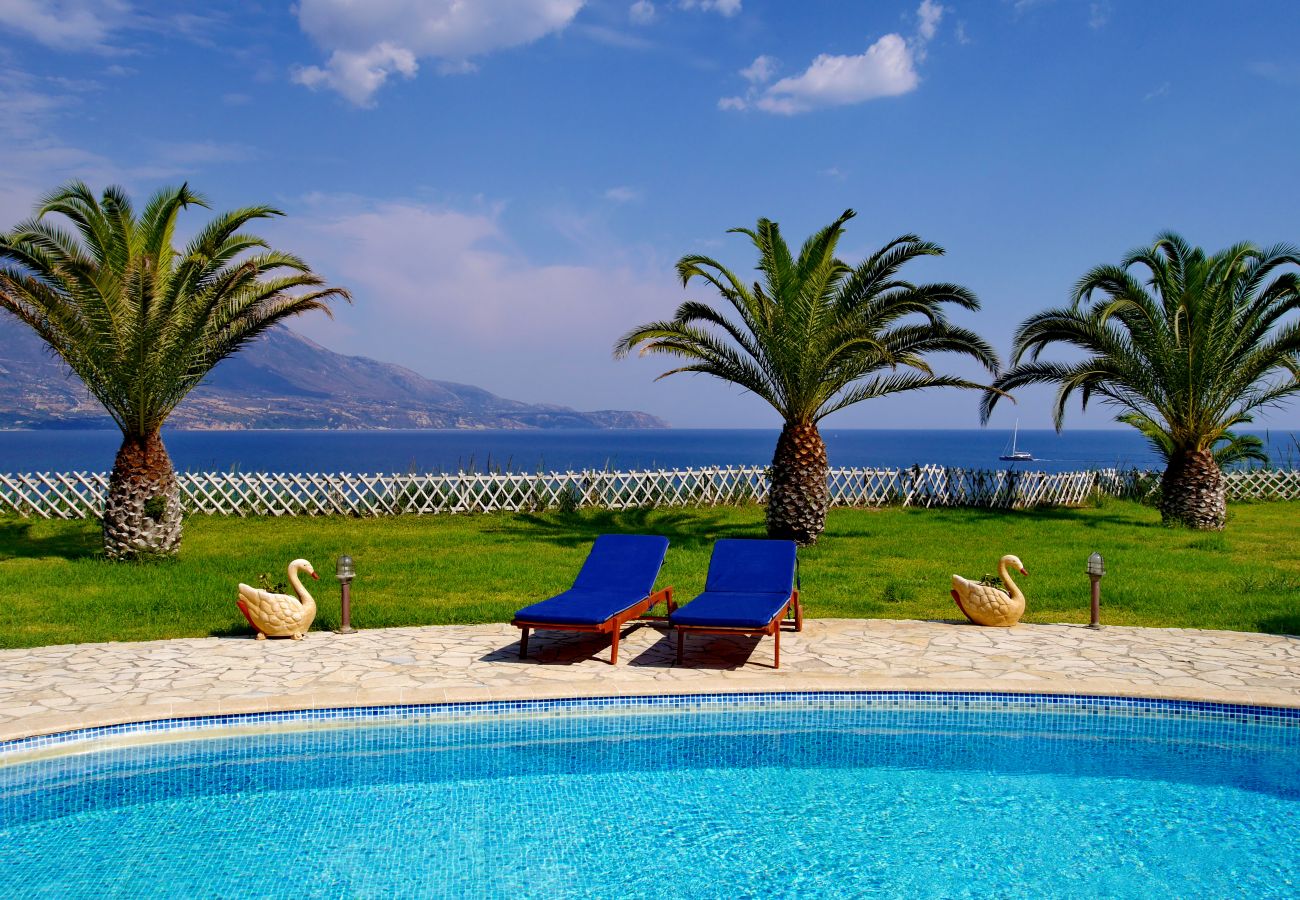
(890, 563)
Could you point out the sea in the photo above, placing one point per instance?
(574, 450)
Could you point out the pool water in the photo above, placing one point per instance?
(916, 795)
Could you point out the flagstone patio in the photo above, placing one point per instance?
(51, 689)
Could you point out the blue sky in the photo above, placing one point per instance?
(505, 184)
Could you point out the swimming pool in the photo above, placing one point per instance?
(810, 795)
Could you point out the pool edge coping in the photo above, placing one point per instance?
(151, 732)
(717, 683)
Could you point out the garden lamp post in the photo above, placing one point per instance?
(345, 571)
(1096, 569)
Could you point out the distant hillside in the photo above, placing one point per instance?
(284, 381)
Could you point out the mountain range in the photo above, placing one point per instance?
(284, 380)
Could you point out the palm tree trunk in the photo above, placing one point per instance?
(142, 515)
(1192, 491)
(796, 505)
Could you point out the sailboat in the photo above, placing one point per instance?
(1011, 454)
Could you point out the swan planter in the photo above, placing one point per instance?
(984, 604)
(280, 615)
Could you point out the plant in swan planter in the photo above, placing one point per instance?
(280, 615)
(985, 604)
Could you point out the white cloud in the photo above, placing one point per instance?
(623, 194)
(1287, 74)
(1156, 93)
(447, 292)
(65, 24)
(358, 75)
(35, 159)
(886, 69)
(96, 25)
(642, 12)
(757, 73)
(25, 105)
(929, 14)
(760, 71)
(370, 41)
(1099, 11)
(186, 154)
(724, 7)
(612, 37)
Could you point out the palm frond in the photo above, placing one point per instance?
(140, 322)
(897, 384)
(1184, 352)
(813, 326)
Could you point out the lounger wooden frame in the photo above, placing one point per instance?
(613, 625)
(773, 628)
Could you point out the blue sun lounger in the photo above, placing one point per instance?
(751, 587)
(614, 586)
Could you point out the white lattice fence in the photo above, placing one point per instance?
(79, 495)
(929, 486)
(66, 495)
(1264, 484)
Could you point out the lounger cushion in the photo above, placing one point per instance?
(731, 610)
(748, 585)
(623, 562)
(579, 607)
(619, 573)
(765, 567)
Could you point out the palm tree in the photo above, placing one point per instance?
(1231, 448)
(141, 323)
(814, 336)
(1186, 354)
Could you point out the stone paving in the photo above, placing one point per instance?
(52, 689)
